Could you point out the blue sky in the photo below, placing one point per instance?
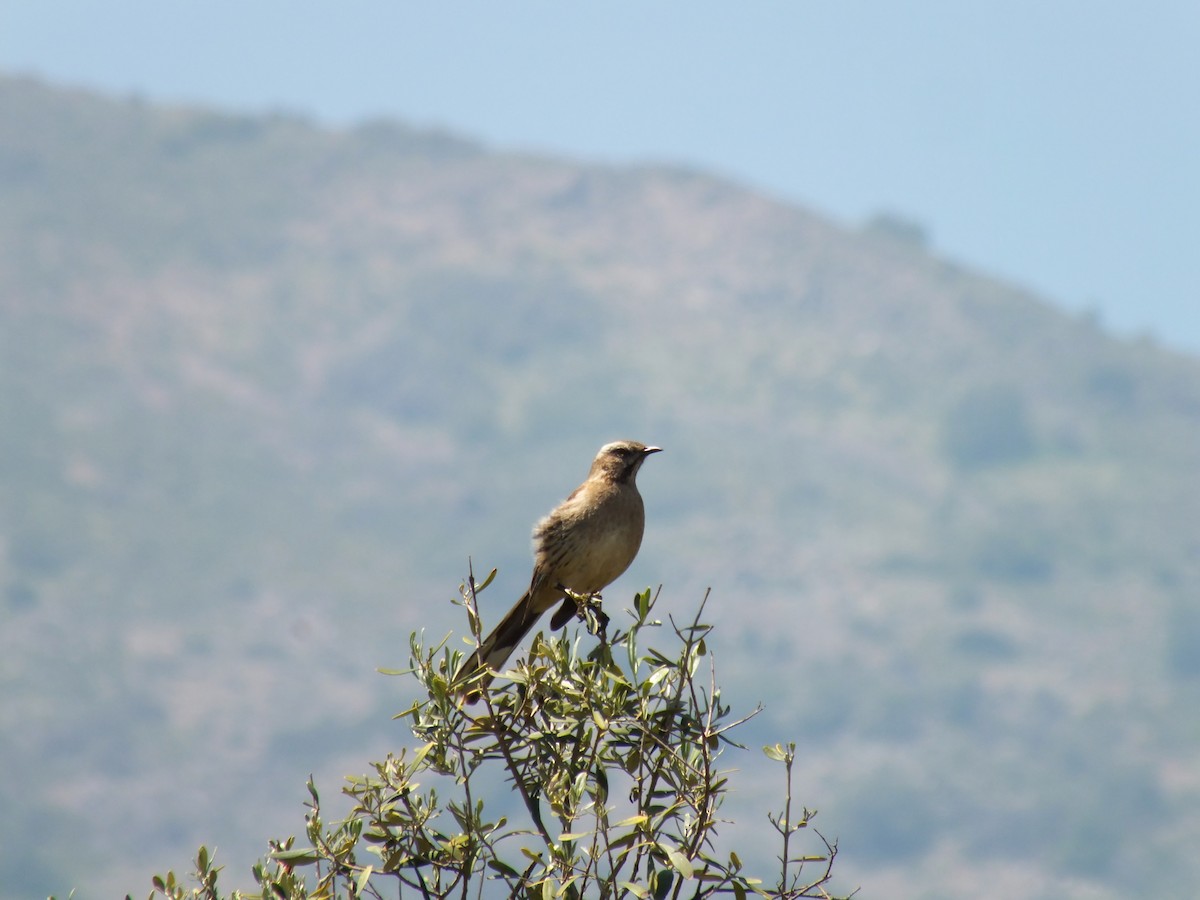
(1056, 144)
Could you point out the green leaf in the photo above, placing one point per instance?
(503, 868)
(420, 755)
(486, 581)
(663, 880)
(679, 862)
(777, 753)
(362, 880)
(658, 675)
(297, 857)
(633, 820)
(567, 836)
(636, 889)
(601, 778)
(627, 839)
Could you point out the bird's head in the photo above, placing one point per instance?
(620, 460)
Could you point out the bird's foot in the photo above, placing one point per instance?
(589, 611)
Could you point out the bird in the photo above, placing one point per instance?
(582, 546)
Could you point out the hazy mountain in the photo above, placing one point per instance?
(266, 386)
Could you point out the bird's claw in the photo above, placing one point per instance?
(588, 611)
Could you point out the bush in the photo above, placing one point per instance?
(613, 761)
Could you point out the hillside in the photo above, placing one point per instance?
(268, 385)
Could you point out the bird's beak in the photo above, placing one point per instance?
(650, 450)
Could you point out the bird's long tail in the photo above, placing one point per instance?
(498, 646)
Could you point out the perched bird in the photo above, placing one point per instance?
(583, 545)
